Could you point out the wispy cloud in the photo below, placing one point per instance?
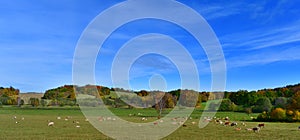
(215, 11)
(264, 57)
(269, 10)
(262, 38)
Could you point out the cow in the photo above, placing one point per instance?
(261, 125)
(233, 124)
(227, 123)
(256, 129)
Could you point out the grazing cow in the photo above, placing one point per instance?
(144, 119)
(261, 125)
(244, 124)
(249, 129)
(233, 124)
(100, 119)
(77, 126)
(207, 120)
(227, 123)
(227, 118)
(51, 123)
(193, 123)
(298, 127)
(184, 125)
(220, 122)
(238, 129)
(255, 129)
(155, 123)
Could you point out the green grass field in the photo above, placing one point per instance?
(34, 125)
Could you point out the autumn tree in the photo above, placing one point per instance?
(278, 114)
(34, 102)
(295, 102)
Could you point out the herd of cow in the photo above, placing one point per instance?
(226, 122)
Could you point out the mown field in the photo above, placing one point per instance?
(34, 125)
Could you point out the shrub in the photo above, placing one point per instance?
(248, 110)
(263, 116)
(278, 114)
(238, 108)
(296, 115)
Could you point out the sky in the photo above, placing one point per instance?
(260, 41)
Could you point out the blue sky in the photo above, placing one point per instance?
(260, 41)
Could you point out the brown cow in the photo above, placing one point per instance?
(227, 123)
(261, 125)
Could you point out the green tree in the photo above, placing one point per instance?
(43, 102)
(240, 97)
(262, 104)
(226, 105)
(280, 102)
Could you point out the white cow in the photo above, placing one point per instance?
(51, 123)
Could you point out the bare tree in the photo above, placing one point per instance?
(160, 105)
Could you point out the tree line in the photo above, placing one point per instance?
(283, 102)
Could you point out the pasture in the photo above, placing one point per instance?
(31, 123)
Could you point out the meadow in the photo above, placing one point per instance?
(34, 125)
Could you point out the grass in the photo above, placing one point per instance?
(35, 125)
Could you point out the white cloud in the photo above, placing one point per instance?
(262, 38)
(264, 57)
